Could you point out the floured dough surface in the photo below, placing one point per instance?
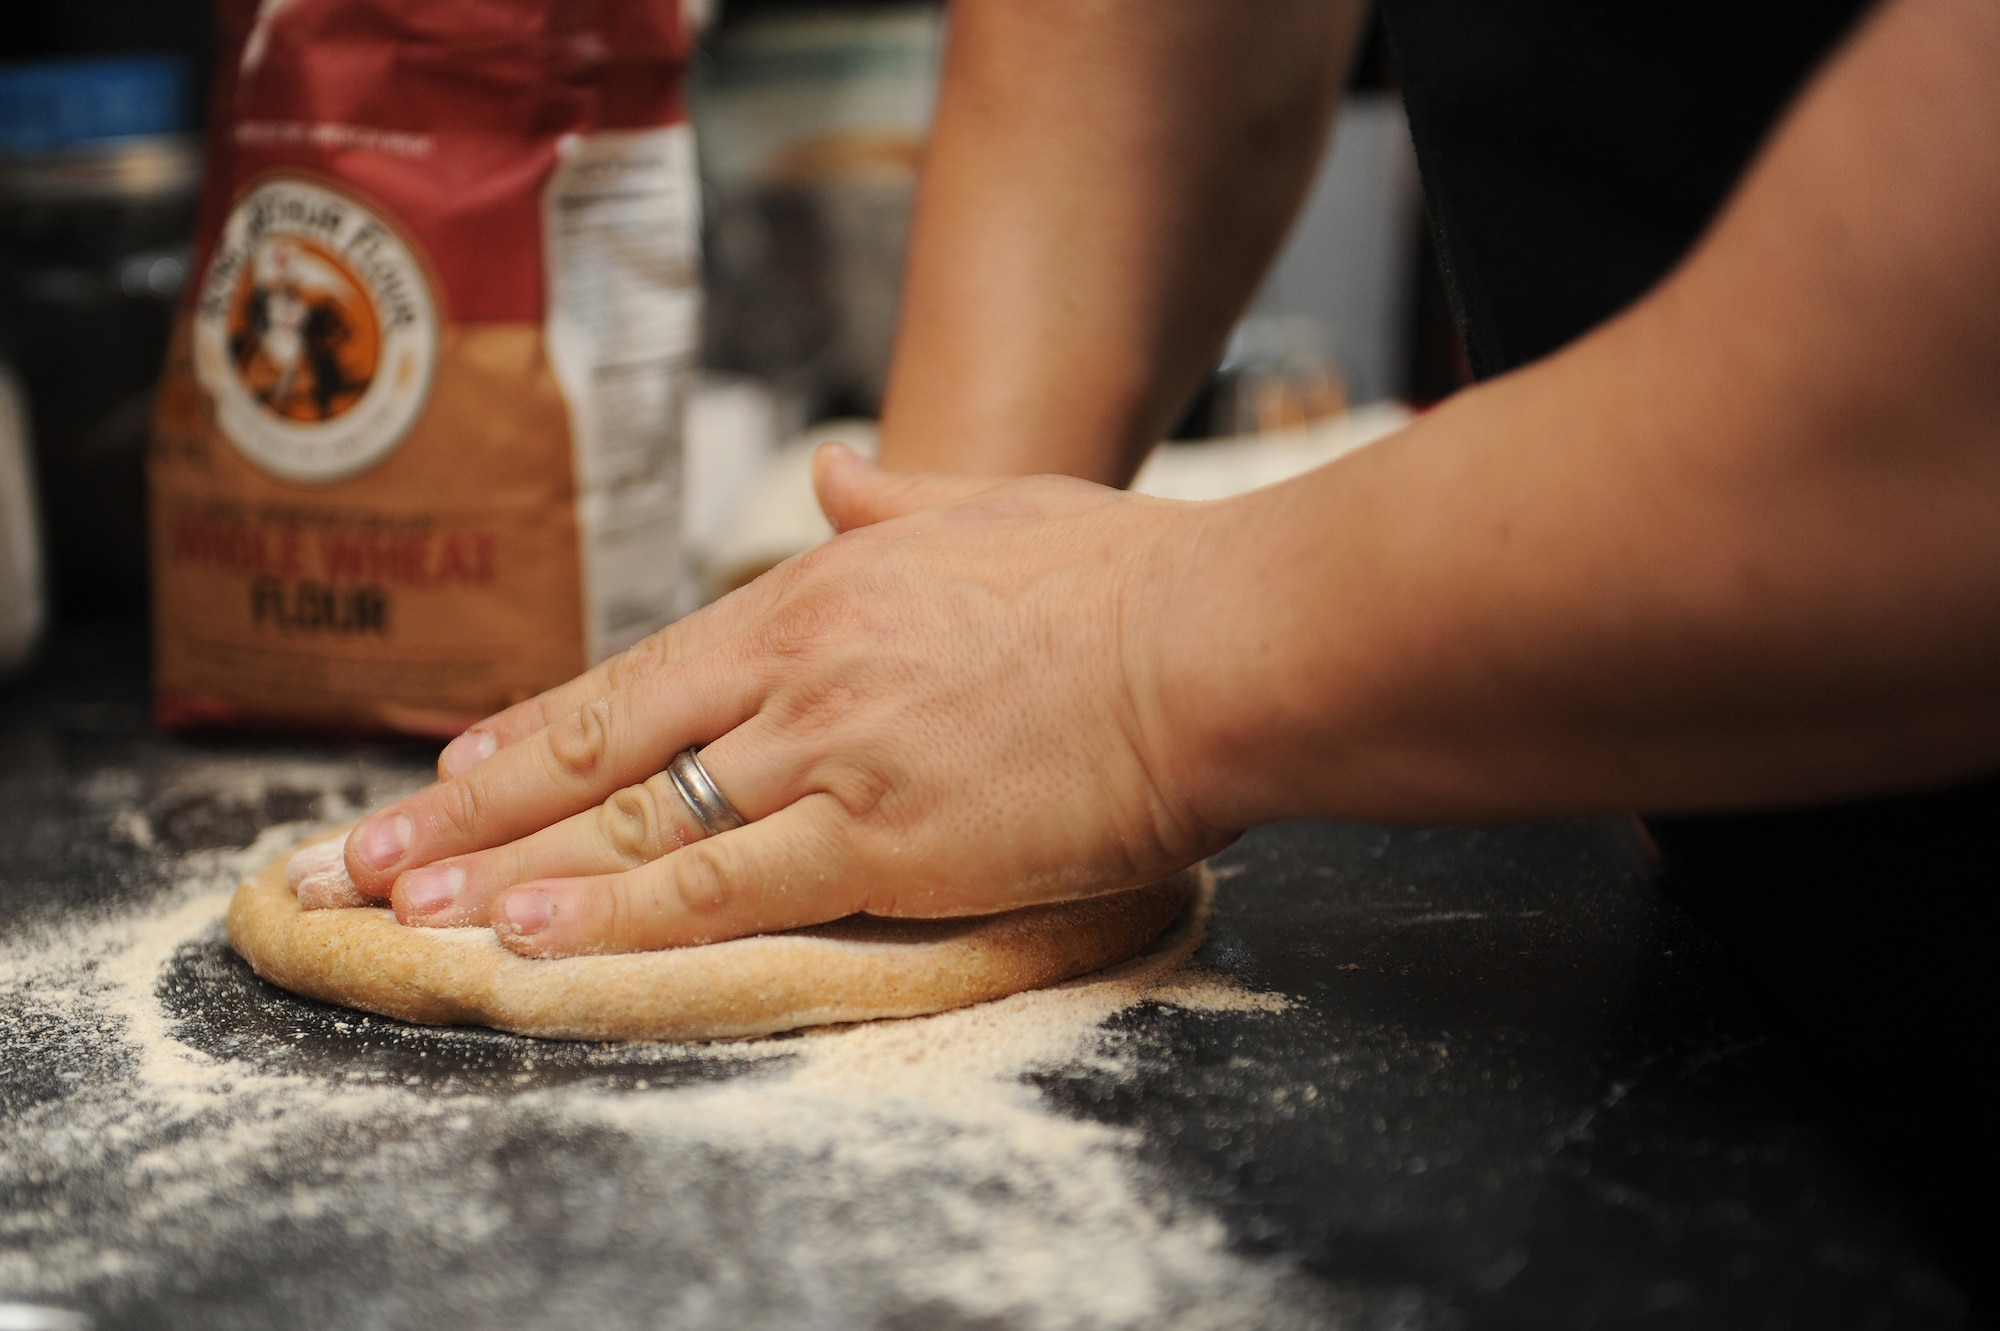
(856, 969)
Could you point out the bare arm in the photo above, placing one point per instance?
(1104, 187)
(1740, 546)
(1737, 547)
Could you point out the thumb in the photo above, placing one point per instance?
(854, 492)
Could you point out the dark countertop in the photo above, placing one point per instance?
(1516, 1087)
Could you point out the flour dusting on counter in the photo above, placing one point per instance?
(894, 1173)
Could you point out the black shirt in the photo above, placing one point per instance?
(1572, 152)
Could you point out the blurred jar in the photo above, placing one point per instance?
(810, 123)
(1277, 373)
(97, 202)
(23, 610)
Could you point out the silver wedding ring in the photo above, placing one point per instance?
(705, 800)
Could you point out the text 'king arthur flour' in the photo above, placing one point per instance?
(417, 451)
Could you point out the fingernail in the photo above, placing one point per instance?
(528, 912)
(468, 751)
(331, 889)
(323, 858)
(380, 842)
(428, 891)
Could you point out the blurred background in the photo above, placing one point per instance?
(810, 120)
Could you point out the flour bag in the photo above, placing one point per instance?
(417, 448)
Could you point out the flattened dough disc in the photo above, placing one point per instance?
(856, 969)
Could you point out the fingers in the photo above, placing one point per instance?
(318, 877)
(565, 768)
(636, 825)
(791, 869)
(854, 492)
(486, 738)
(848, 484)
(652, 653)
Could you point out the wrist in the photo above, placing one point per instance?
(1201, 673)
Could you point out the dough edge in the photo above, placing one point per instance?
(857, 969)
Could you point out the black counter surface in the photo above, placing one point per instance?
(1515, 1086)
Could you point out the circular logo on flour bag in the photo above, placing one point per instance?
(316, 332)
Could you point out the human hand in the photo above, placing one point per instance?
(951, 708)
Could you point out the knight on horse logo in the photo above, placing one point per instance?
(303, 334)
(316, 332)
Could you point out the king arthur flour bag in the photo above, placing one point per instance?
(418, 442)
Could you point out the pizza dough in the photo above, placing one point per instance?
(856, 969)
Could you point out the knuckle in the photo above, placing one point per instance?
(642, 658)
(862, 787)
(515, 863)
(798, 628)
(702, 881)
(578, 742)
(539, 712)
(635, 826)
(627, 913)
(813, 610)
(848, 683)
(461, 806)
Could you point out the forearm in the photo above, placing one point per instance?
(1737, 547)
(1104, 186)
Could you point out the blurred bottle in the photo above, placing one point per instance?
(811, 122)
(1278, 372)
(97, 200)
(23, 610)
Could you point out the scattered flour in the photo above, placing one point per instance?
(893, 1173)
